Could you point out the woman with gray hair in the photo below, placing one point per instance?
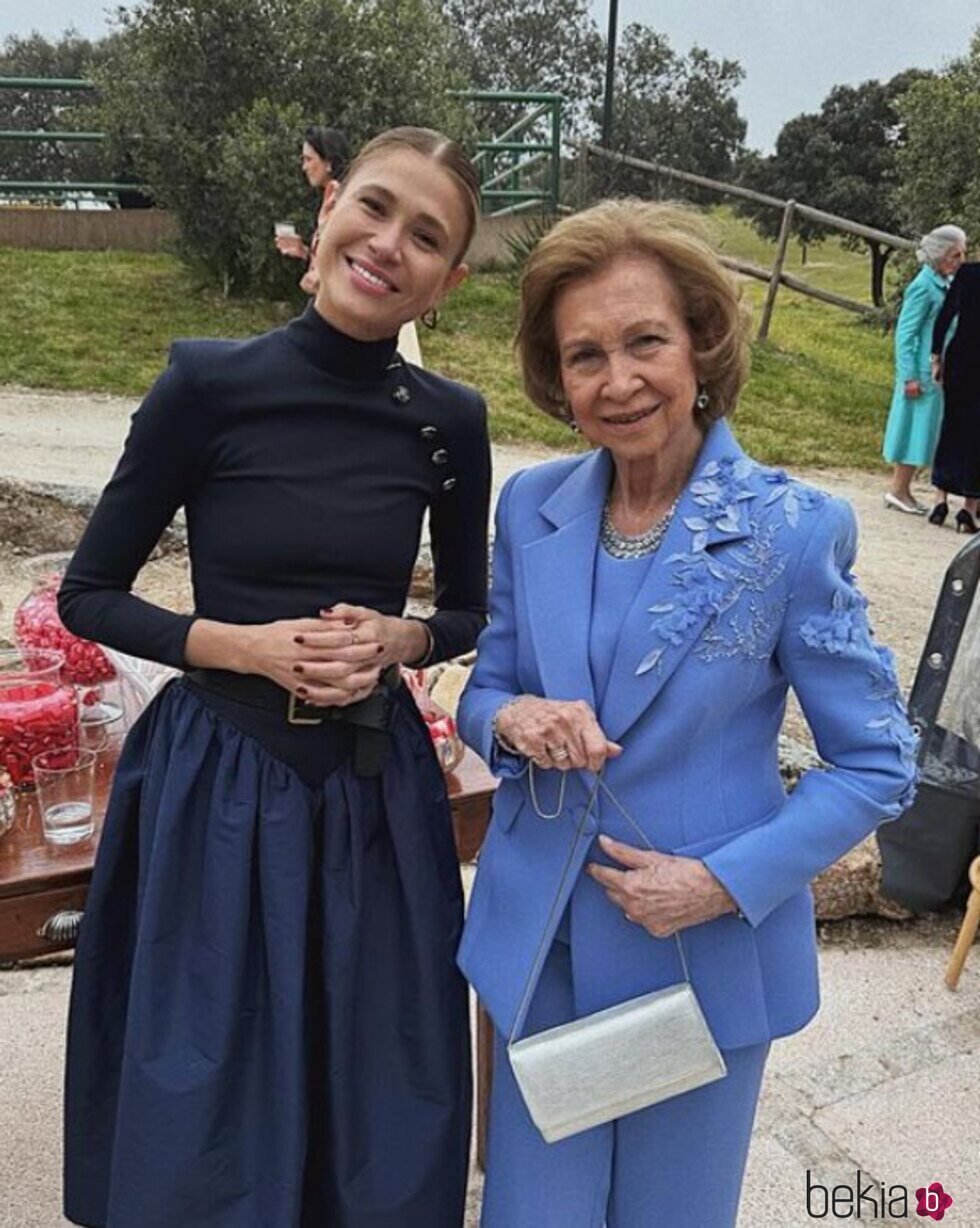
(917, 402)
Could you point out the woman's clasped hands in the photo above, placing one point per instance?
(334, 660)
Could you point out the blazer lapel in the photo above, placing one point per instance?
(686, 583)
(558, 571)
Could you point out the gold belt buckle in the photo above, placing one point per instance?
(291, 715)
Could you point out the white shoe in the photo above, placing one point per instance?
(912, 509)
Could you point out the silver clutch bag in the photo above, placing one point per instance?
(616, 1061)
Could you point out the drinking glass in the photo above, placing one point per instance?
(65, 782)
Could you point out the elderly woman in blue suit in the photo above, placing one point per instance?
(653, 601)
(916, 412)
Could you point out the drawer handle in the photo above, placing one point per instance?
(61, 927)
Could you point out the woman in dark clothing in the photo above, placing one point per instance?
(267, 1026)
(956, 365)
(324, 159)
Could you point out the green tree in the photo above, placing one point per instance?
(218, 92)
(548, 46)
(939, 165)
(673, 109)
(843, 159)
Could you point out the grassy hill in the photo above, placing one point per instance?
(99, 321)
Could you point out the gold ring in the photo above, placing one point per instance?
(558, 752)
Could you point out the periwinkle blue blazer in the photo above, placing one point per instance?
(750, 593)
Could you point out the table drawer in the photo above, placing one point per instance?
(22, 918)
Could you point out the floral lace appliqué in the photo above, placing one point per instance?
(841, 631)
(845, 632)
(727, 591)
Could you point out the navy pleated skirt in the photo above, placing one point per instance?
(267, 1026)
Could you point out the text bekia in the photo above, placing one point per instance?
(869, 1200)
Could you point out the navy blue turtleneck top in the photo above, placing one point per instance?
(305, 461)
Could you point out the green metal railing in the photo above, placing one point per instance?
(34, 189)
(506, 163)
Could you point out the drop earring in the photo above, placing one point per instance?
(430, 318)
(702, 400)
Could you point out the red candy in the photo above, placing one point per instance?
(34, 717)
(37, 625)
(441, 726)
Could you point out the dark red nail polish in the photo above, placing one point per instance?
(302, 692)
(348, 621)
(299, 639)
(328, 610)
(381, 648)
(297, 669)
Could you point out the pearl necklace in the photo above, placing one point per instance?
(634, 546)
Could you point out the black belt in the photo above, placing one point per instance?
(370, 718)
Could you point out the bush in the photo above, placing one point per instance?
(220, 91)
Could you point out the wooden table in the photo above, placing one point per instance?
(40, 883)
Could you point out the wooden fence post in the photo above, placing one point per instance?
(777, 270)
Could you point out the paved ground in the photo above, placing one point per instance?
(885, 1081)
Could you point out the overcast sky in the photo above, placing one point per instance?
(792, 51)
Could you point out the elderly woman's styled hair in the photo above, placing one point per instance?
(583, 244)
(937, 244)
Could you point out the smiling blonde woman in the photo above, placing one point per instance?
(267, 1025)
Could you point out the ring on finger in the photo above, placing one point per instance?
(353, 638)
(558, 752)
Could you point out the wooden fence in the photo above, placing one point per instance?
(775, 277)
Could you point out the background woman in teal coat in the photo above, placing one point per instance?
(917, 403)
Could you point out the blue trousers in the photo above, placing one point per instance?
(678, 1164)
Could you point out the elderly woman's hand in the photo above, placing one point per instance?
(555, 733)
(913, 389)
(660, 891)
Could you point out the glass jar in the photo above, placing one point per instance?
(38, 625)
(38, 709)
(440, 725)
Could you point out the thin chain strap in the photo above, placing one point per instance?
(534, 794)
(539, 957)
(643, 836)
(538, 962)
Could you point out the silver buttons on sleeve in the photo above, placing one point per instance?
(439, 456)
(401, 394)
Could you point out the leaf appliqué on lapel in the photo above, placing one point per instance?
(713, 589)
